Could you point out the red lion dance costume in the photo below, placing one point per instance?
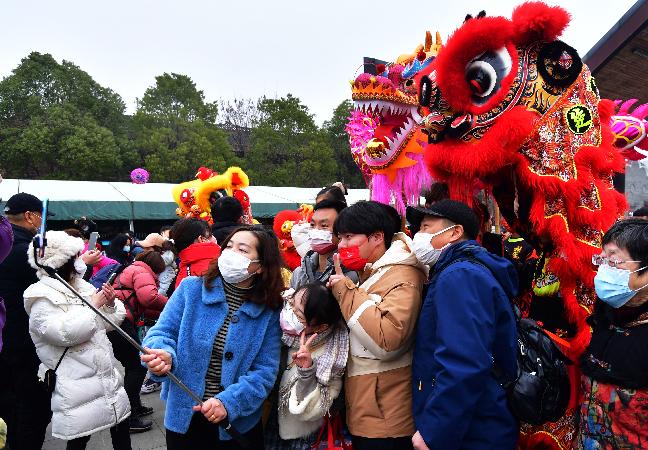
(514, 109)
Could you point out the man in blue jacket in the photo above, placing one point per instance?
(465, 327)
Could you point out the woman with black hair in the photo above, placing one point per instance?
(221, 335)
(119, 248)
(318, 347)
(195, 245)
(137, 288)
(615, 365)
(88, 394)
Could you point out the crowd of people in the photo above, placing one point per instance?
(391, 332)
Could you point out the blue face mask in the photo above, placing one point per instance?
(126, 248)
(612, 285)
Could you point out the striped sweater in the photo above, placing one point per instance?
(235, 297)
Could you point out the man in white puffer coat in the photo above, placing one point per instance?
(88, 395)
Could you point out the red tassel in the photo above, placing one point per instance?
(380, 69)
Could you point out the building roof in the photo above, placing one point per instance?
(619, 60)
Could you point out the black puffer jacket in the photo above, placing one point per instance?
(16, 275)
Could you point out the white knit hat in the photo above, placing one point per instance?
(60, 248)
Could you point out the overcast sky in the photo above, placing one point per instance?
(238, 48)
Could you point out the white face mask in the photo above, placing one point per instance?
(233, 266)
(79, 266)
(289, 321)
(424, 250)
(321, 241)
(299, 235)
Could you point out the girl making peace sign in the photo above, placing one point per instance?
(318, 346)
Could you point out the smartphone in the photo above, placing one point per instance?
(92, 242)
(111, 278)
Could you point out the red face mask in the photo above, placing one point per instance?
(351, 259)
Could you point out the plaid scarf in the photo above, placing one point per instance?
(331, 363)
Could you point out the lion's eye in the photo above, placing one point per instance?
(485, 73)
(428, 90)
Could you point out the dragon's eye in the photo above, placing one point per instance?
(485, 73)
(410, 86)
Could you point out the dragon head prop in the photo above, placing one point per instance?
(384, 133)
(195, 197)
(514, 109)
(629, 129)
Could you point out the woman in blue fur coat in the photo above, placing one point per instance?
(220, 334)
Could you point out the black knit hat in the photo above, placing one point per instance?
(456, 212)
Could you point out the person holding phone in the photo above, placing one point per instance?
(90, 256)
(221, 335)
(70, 339)
(137, 288)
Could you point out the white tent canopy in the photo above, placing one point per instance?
(151, 201)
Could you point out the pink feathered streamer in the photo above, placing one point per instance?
(406, 188)
(360, 129)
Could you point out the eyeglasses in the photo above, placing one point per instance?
(599, 260)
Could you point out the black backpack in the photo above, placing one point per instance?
(541, 390)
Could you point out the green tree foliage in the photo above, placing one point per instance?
(287, 148)
(175, 131)
(175, 99)
(57, 122)
(347, 170)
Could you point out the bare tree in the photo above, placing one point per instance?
(238, 117)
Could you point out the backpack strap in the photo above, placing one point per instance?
(468, 255)
(61, 359)
(127, 300)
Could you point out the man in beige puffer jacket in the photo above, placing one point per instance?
(381, 313)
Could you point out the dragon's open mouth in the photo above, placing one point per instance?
(393, 125)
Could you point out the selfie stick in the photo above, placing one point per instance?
(40, 242)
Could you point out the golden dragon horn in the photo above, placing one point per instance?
(428, 41)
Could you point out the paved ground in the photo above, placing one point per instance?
(153, 439)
